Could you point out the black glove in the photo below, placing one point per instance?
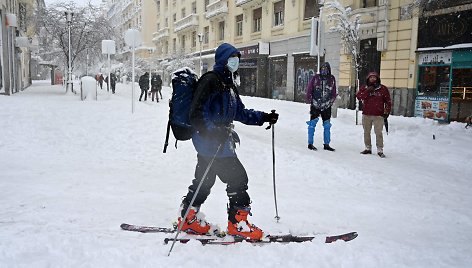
(385, 116)
(271, 118)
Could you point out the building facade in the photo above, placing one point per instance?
(15, 45)
(274, 39)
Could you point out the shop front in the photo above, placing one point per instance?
(305, 69)
(444, 88)
(278, 75)
(253, 70)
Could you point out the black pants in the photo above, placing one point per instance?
(315, 113)
(230, 171)
(143, 92)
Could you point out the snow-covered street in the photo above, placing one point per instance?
(72, 171)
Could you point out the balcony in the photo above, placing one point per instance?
(217, 9)
(161, 34)
(186, 24)
(244, 3)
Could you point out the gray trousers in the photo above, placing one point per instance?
(378, 122)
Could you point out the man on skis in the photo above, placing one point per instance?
(216, 103)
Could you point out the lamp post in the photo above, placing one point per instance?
(69, 15)
(200, 40)
(150, 50)
(320, 5)
(133, 40)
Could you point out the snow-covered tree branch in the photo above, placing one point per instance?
(88, 29)
(347, 26)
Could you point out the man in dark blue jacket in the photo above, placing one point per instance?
(216, 104)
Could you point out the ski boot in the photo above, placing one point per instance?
(194, 222)
(239, 226)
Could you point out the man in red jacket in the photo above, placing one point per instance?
(377, 106)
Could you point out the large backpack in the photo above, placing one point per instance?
(184, 84)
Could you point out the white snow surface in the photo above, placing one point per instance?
(72, 171)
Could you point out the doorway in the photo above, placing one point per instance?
(369, 58)
(461, 94)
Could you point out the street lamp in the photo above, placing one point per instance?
(320, 5)
(200, 39)
(69, 15)
(150, 50)
(133, 40)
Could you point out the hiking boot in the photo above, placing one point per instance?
(381, 154)
(328, 148)
(194, 223)
(311, 147)
(366, 151)
(241, 227)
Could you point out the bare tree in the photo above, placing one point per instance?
(347, 26)
(88, 28)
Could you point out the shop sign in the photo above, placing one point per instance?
(249, 51)
(445, 30)
(248, 63)
(432, 107)
(436, 58)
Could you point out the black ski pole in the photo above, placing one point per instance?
(179, 229)
(273, 169)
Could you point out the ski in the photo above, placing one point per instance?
(288, 238)
(154, 229)
(220, 238)
(345, 237)
(146, 229)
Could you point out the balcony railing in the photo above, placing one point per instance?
(217, 9)
(189, 22)
(243, 3)
(162, 33)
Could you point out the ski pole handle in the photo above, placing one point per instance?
(270, 124)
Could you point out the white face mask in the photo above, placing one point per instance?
(233, 64)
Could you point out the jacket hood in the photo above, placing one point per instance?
(222, 54)
(326, 64)
(372, 74)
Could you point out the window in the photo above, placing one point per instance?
(158, 26)
(174, 17)
(221, 30)
(174, 45)
(194, 39)
(369, 3)
(433, 81)
(158, 6)
(183, 13)
(239, 25)
(184, 37)
(207, 2)
(206, 34)
(311, 9)
(279, 13)
(194, 7)
(256, 19)
(167, 22)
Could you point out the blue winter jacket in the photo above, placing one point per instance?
(217, 104)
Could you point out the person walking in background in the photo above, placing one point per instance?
(100, 80)
(144, 85)
(216, 104)
(376, 107)
(156, 86)
(321, 94)
(113, 82)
